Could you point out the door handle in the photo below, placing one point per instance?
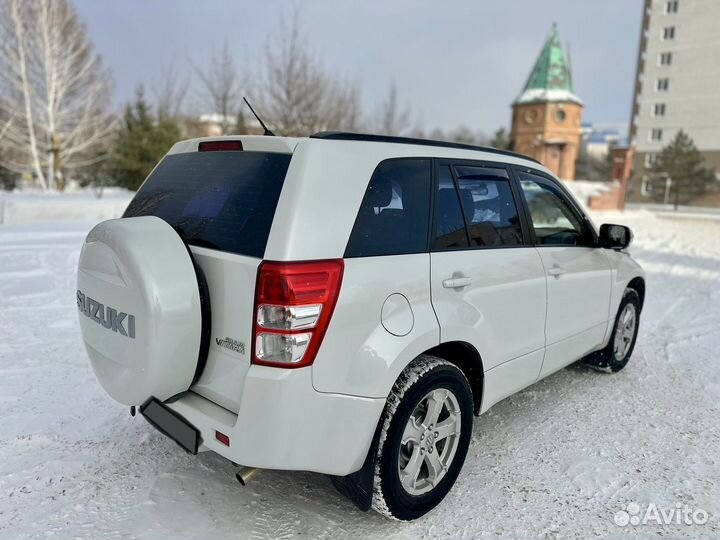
(456, 282)
(556, 270)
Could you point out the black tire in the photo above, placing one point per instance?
(424, 375)
(605, 359)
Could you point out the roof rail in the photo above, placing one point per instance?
(349, 136)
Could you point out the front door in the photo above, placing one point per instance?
(577, 273)
(488, 285)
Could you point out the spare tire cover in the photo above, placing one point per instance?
(140, 309)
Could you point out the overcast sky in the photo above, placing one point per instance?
(453, 63)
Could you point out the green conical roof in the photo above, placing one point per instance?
(551, 77)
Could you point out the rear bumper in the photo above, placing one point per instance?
(283, 423)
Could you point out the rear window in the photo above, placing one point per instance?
(219, 200)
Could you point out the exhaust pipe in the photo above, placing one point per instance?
(245, 474)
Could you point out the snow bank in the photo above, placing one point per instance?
(21, 208)
(584, 190)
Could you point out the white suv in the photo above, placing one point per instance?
(345, 303)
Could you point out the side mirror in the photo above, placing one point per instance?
(615, 236)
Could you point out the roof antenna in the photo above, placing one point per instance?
(267, 131)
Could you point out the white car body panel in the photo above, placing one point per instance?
(284, 424)
(231, 280)
(623, 269)
(501, 313)
(359, 356)
(510, 377)
(578, 302)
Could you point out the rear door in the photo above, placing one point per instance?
(222, 204)
(487, 281)
(578, 272)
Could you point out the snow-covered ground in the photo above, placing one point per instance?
(561, 458)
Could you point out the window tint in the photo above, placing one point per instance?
(553, 219)
(393, 217)
(220, 200)
(489, 207)
(450, 232)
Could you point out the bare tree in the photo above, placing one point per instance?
(170, 92)
(222, 87)
(297, 94)
(7, 124)
(392, 118)
(16, 93)
(52, 89)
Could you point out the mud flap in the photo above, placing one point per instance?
(358, 486)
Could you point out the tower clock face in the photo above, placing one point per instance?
(560, 115)
(530, 116)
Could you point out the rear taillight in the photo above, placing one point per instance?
(293, 305)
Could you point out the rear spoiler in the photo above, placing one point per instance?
(250, 143)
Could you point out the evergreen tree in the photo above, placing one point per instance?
(143, 139)
(8, 179)
(501, 140)
(683, 164)
(595, 169)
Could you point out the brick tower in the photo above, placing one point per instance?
(547, 115)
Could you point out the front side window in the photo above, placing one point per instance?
(663, 84)
(394, 214)
(553, 219)
(489, 207)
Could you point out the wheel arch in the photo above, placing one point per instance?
(467, 358)
(358, 486)
(638, 284)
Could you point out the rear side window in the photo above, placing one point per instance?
(450, 232)
(394, 215)
(219, 200)
(489, 206)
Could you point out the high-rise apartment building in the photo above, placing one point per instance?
(677, 84)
